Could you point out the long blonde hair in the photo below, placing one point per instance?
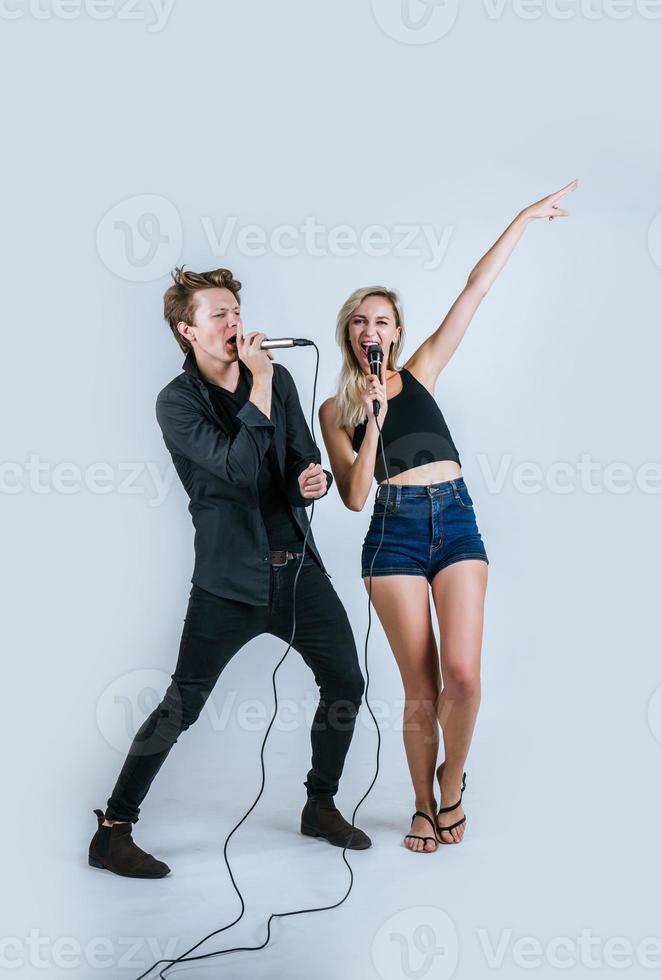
(351, 381)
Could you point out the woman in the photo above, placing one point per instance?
(426, 514)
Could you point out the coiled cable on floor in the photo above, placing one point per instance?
(185, 957)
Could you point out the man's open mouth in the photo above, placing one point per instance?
(231, 340)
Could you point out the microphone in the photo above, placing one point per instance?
(278, 342)
(375, 360)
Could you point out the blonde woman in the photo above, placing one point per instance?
(430, 535)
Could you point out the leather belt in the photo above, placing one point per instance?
(281, 557)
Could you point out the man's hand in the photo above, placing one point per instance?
(312, 482)
(258, 361)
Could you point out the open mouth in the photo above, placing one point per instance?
(366, 344)
(231, 341)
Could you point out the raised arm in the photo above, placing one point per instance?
(430, 358)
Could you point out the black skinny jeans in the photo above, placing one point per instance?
(214, 630)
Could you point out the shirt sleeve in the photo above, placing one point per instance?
(236, 459)
(300, 449)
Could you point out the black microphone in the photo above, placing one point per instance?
(375, 360)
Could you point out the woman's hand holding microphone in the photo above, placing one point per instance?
(375, 391)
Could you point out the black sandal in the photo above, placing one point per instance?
(419, 813)
(447, 809)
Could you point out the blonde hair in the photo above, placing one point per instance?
(351, 381)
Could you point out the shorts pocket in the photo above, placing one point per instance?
(462, 495)
(388, 499)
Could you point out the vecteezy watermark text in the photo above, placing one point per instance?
(43, 952)
(155, 480)
(130, 699)
(154, 13)
(41, 477)
(585, 474)
(427, 21)
(140, 238)
(565, 952)
(318, 240)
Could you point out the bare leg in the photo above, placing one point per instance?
(402, 605)
(458, 591)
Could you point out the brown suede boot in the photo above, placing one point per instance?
(114, 849)
(321, 818)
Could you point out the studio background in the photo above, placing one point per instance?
(313, 149)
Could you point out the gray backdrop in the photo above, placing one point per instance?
(312, 149)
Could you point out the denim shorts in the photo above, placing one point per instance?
(425, 528)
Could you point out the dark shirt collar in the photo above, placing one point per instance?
(190, 367)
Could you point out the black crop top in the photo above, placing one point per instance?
(414, 432)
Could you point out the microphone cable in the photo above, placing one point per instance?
(185, 957)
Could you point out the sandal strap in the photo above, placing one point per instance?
(419, 813)
(451, 827)
(418, 837)
(446, 809)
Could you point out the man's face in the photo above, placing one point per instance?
(217, 315)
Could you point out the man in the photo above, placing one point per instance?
(233, 424)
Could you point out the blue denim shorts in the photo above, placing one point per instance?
(425, 528)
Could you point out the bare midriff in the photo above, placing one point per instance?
(437, 472)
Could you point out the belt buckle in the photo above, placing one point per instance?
(279, 564)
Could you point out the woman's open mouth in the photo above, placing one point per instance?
(366, 344)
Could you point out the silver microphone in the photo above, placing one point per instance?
(278, 342)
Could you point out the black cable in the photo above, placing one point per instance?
(185, 958)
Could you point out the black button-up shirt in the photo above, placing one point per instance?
(219, 468)
(281, 529)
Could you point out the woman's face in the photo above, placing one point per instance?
(373, 322)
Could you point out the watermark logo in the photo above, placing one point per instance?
(141, 238)
(654, 240)
(128, 701)
(415, 21)
(427, 21)
(654, 714)
(131, 698)
(416, 943)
